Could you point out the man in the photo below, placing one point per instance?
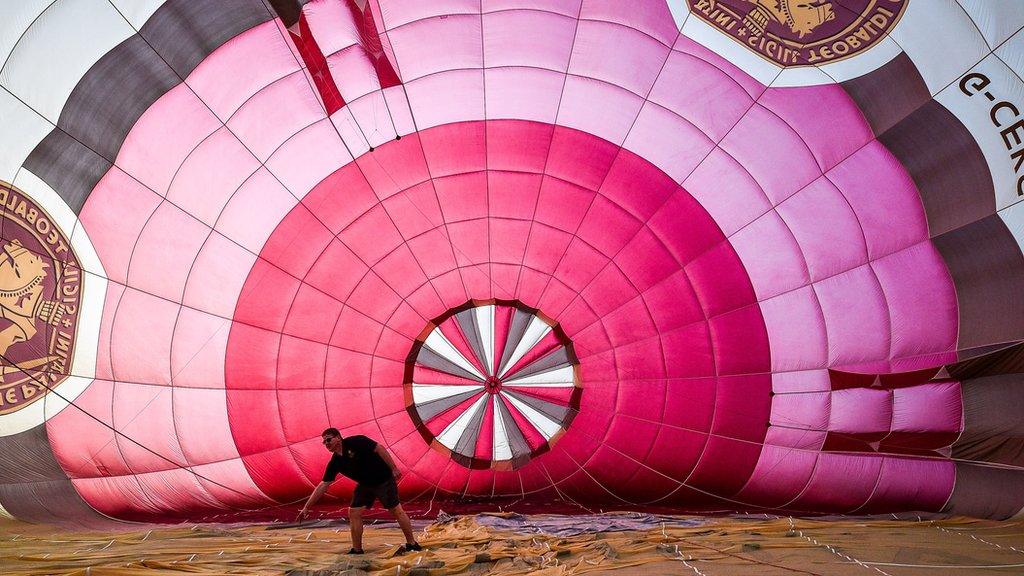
(370, 465)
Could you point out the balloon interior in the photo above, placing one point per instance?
(663, 256)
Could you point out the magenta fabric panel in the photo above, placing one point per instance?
(746, 200)
(178, 121)
(826, 228)
(202, 196)
(840, 483)
(772, 272)
(856, 317)
(212, 284)
(164, 252)
(900, 487)
(796, 330)
(928, 416)
(772, 152)
(690, 85)
(902, 222)
(263, 124)
(139, 411)
(120, 209)
(596, 55)
(807, 109)
(799, 420)
(903, 293)
(862, 412)
(505, 46)
(779, 477)
(85, 447)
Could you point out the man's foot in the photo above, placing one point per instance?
(355, 551)
(414, 547)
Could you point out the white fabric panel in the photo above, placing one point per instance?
(557, 377)
(22, 131)
(426, 392)
(137, 11)
(540, 421)
(502, 450)
(438, 343)
(534, 332)
(450, 436)
(15, 17)
(997, 19)
(58, 49)
(1012, 53)
(485, 323)
(997, 141)
(941, 40)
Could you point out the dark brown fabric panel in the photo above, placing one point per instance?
(946, 164)
(287, 10)
(979, 362)
(889, 94)
(51, 502)
(33, 486)
(184, 32)
(27, 458)
(69, 167)
(993, 420)
(984, 492)
(988, 272)
(108, 100)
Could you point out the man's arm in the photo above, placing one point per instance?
(383, 453)
(313, 498)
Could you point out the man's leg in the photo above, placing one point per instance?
(355, 518)
(403, 521)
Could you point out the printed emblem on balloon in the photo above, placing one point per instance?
(40, 288)
(794, 33)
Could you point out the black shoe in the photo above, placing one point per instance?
(355, 551)
(414, 547)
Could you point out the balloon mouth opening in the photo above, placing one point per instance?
(492, 384)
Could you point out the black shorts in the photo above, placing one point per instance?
(387, 493)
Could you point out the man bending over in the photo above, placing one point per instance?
(375, 473)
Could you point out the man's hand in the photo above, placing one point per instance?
(396, 473)
(303, 514)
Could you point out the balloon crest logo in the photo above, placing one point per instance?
(492, 384)
(792, 33)
(40, 289)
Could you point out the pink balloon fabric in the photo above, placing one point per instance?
(713, 252)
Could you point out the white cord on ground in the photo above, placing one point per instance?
(679, 556)
(847, 557)
(982, 540)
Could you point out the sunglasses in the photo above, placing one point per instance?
(328, 440)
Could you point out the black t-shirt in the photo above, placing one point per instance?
(358, 461)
